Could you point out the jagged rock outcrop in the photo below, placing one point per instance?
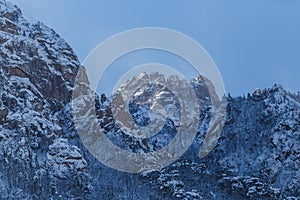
(38, 53)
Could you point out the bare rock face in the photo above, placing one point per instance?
(38, 53)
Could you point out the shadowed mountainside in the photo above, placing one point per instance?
(42, 156)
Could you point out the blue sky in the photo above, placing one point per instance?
(254, 43)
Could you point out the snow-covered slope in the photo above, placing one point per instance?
(37, 68)
(42, 157)
(257, 156)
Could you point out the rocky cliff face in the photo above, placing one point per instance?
(37, 69)
(42, 157)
